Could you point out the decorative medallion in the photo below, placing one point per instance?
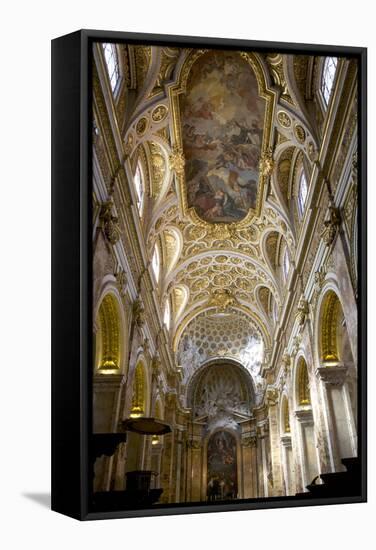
(283, 119)
(159, 113)
(141, 126)
(299, 133)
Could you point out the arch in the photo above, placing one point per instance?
(303, 395)
(336, 360)
(108, 336)
(285, 424)
(180, 294)
(139, 393)
(270, 244)
(196, 257)
(304, 423)
(172, 247)
(287, 458)
(330, 315)
(283, 173)
(227, 366)
(273, 244)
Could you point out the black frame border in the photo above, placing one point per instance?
(72, 269)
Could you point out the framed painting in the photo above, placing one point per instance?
(209, 274)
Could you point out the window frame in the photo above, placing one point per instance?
(116, 69)
(156, 263)
(302, 204)
(140, 197)
(325, 98)
(167, 315)
(286, 263)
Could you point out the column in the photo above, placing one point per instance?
(249, 461)
(288, 465)
(337, 407)
(307, 446)
(275, 455)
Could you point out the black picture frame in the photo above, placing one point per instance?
(72, 271)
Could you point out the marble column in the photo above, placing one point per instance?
(288, 465)
(307, 446)
(275, 455)
(107, 390)
(342, 432)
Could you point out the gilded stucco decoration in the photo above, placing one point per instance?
(331, 309)
(108, 335)
(304, 396)
(159, 168)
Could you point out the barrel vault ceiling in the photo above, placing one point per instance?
(222, 265)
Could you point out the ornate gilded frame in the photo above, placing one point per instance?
(177, 161)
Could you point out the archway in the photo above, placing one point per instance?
(221, 396)
(108, 336)
(338, 378)
(308, 457)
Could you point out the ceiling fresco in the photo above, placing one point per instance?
(222, 119)
(218, 132)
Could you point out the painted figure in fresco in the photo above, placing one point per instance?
(222, 467)
(222, 126)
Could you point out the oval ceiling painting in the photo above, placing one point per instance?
(222, 119)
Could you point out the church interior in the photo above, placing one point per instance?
(224, 273)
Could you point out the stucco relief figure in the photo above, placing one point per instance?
(222, 117)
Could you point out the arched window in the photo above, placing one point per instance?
(155, 263)
(166, 315)
(302, 193)
(286, 263)
(327, 78)
(139, 186)
(112, 63)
